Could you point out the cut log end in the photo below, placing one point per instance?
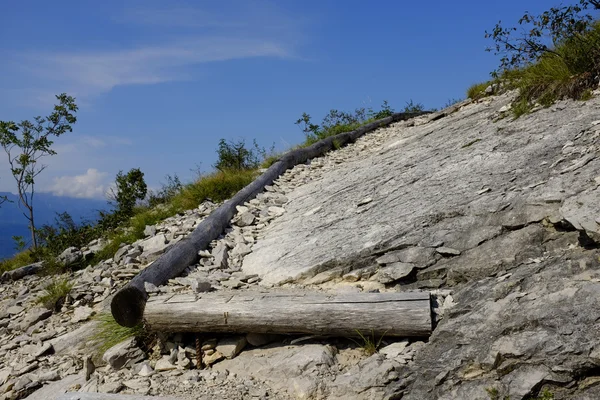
(128, 305)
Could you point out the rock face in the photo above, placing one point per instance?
(498, 219)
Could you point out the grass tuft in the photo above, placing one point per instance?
(110, 333)
(55, 293)
(477, 91)
(369, 344)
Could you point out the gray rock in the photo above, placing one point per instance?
(261, 339)
(200, 285)
(220, 255)
(164, 364)
(394, 350)
(231, 346)
(394, 272)
(82, 314)
(149, 230)
(155, 244)
(123, 354)
(246, 219)
(447, 251)
(282, 367)
(34, 315)
(88, 367)
(110, 387)
(241, 249)
(70, 256)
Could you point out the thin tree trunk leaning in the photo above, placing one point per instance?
(405, 314)
(127, 305)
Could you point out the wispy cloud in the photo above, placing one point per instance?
(173, 42)
(89, 74)
(92, 184)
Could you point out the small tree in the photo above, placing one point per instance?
(543, 33)
(236, 156)
(27, 142)
(130, 188)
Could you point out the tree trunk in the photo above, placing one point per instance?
(32, 228)
(392, 314)
(127, 306)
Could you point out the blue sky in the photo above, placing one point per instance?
(160, 82)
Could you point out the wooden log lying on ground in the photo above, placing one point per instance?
(127, 306)
(391, 314)
(21, 272)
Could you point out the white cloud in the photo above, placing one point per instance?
(92, 184)
(92, 73)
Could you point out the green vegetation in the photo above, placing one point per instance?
(110, 333)
(567, 67)
(477, 91)
(494, 394)
(26, 143)
(370, 345)
(236, 167)
(55, 293)
(20, 259)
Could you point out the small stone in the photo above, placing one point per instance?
(200, 286)
(110, 387)
(246, 219)
(447, 251)
(149, 230)
(364, 201)
(146, 370)
(212, 358)
(49, 376)
(261, 339)
(123, 354)
(209, 344)
(164, 365)
(394, 272)
(150, 287)
(230, 347)
(232, 283)
(14, 310)
(44, 349)
(33, 316)
(276, 211)
(395, 349)
(241, 249)
(88, 367)
(81, 314)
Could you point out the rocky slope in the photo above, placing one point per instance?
(498, 219)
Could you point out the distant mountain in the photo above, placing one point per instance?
(45, 206)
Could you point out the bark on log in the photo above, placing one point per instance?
(19, 273)
(391, 314)
(127, 306)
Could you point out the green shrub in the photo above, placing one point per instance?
(167, 191)
(569, 68)
(216, 187)
(477, 91)
(55, 293)
(19, 260)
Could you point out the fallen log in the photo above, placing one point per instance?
(391, 314)
(21, 272)
(127, 306)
